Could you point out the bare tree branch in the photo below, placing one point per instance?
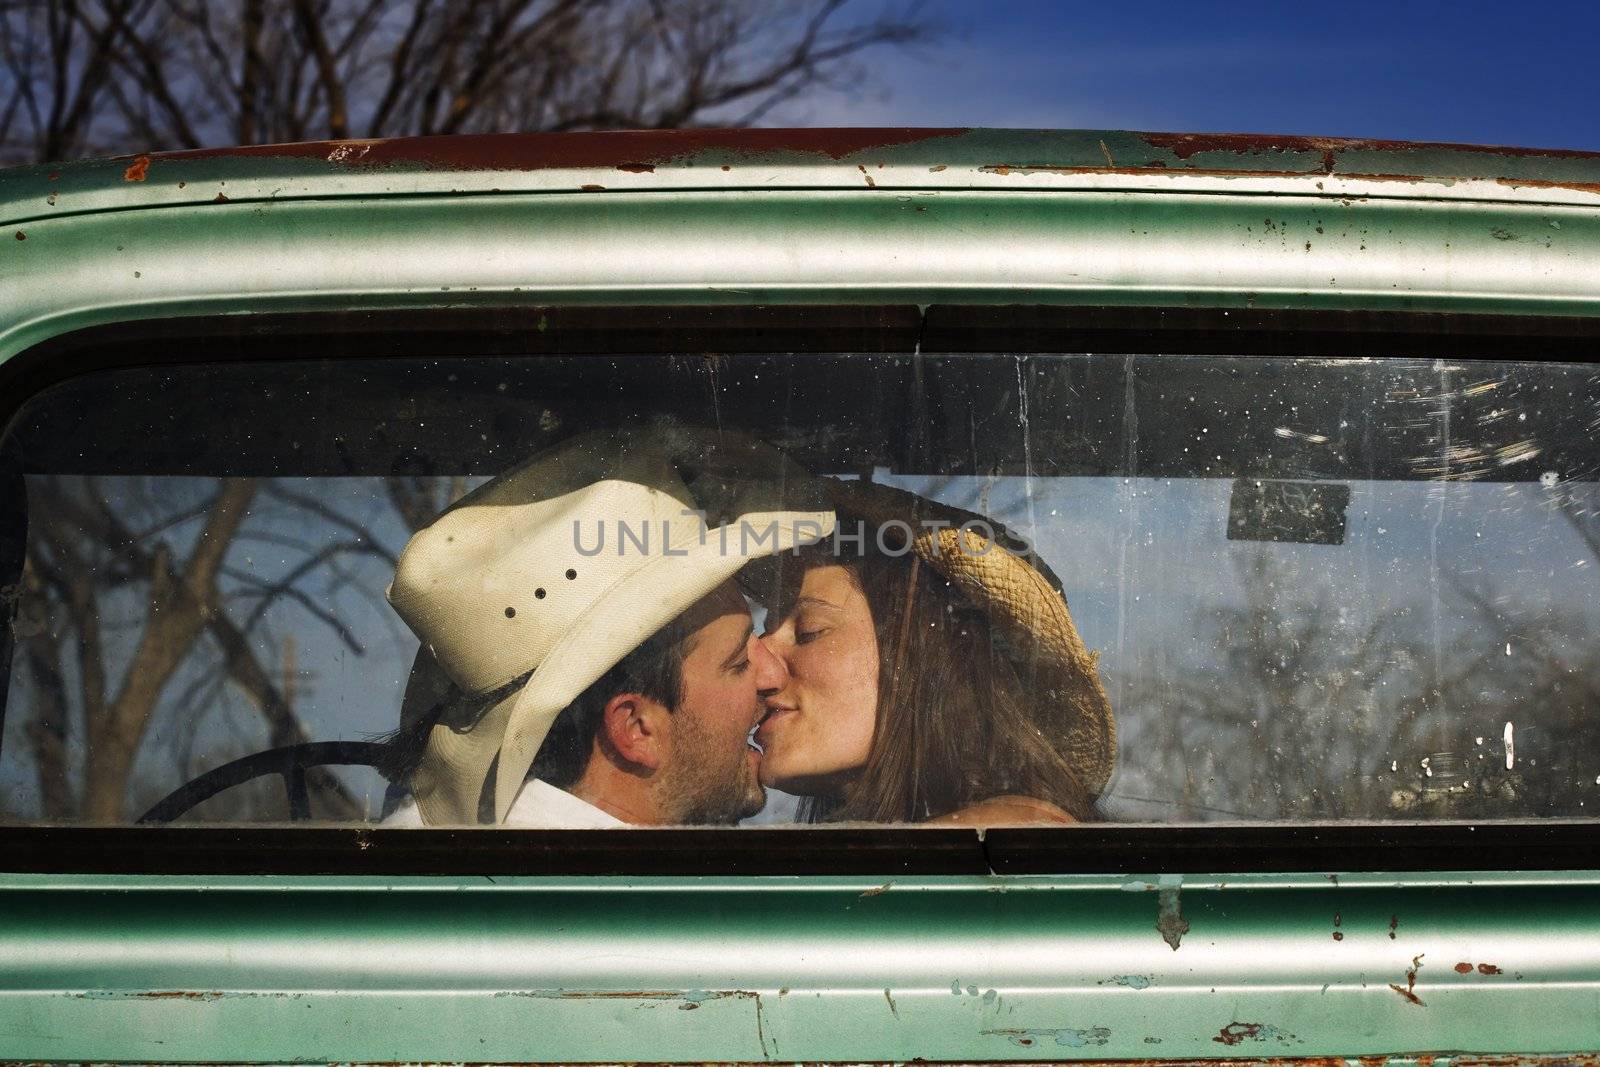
(399, 68)
(46, 730)
(311, 505)
(310, 25)
(142, 59)
(126, 75)
(252, 70)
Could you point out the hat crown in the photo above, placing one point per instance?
(493, 583)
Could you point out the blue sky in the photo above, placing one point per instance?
(1519, 74)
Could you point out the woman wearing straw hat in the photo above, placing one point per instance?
(934, 677)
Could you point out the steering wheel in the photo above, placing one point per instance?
(290, 762)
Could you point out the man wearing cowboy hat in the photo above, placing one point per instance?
(579, 621)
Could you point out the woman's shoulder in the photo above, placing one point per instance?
(1008, 810)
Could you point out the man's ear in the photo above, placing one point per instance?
(635, 728)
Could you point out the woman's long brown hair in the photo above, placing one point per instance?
(962, 717)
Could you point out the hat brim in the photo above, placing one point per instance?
(619, 621)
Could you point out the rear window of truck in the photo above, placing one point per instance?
(1321, 585)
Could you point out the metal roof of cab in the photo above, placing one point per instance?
(907, 217)
(805, 158)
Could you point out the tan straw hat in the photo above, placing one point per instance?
(531, 587)
(1019, 593)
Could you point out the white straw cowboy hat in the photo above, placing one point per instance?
(523, 605)
(1017, 590)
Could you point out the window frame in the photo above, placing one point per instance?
(1401, 846)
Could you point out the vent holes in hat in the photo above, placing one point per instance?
(538, 594)
(511, 613)
(571, 574)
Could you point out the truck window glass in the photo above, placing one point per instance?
(1311, 589)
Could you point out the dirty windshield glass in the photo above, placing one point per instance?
(766, 588)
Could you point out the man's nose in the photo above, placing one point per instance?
(770, 673)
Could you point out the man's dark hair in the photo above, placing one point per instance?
(654, 669)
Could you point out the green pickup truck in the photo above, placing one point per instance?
(1306, 431)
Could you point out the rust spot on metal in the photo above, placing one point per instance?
(1489, 968)
(137, 169)
(1578, 1059)
(220, 199)
(637, 168)
(551, 151)
(937, 169)
(21, 236)
(1463, 968)
(182, 184)
(1204, 172)
(1410, 991)
(1071, 1037)
(1234, 1033)
(592, 188)
(1337, 936)
(862, 168)
(1372, 176)
(1169, 916)
(1534, 183)
(1373, 1061)
(177, 994)
(53, 176)
(1186, 145)
(1394, 924)
(878, 891)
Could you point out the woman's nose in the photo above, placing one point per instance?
(770, 673)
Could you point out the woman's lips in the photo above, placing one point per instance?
(764, 731)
